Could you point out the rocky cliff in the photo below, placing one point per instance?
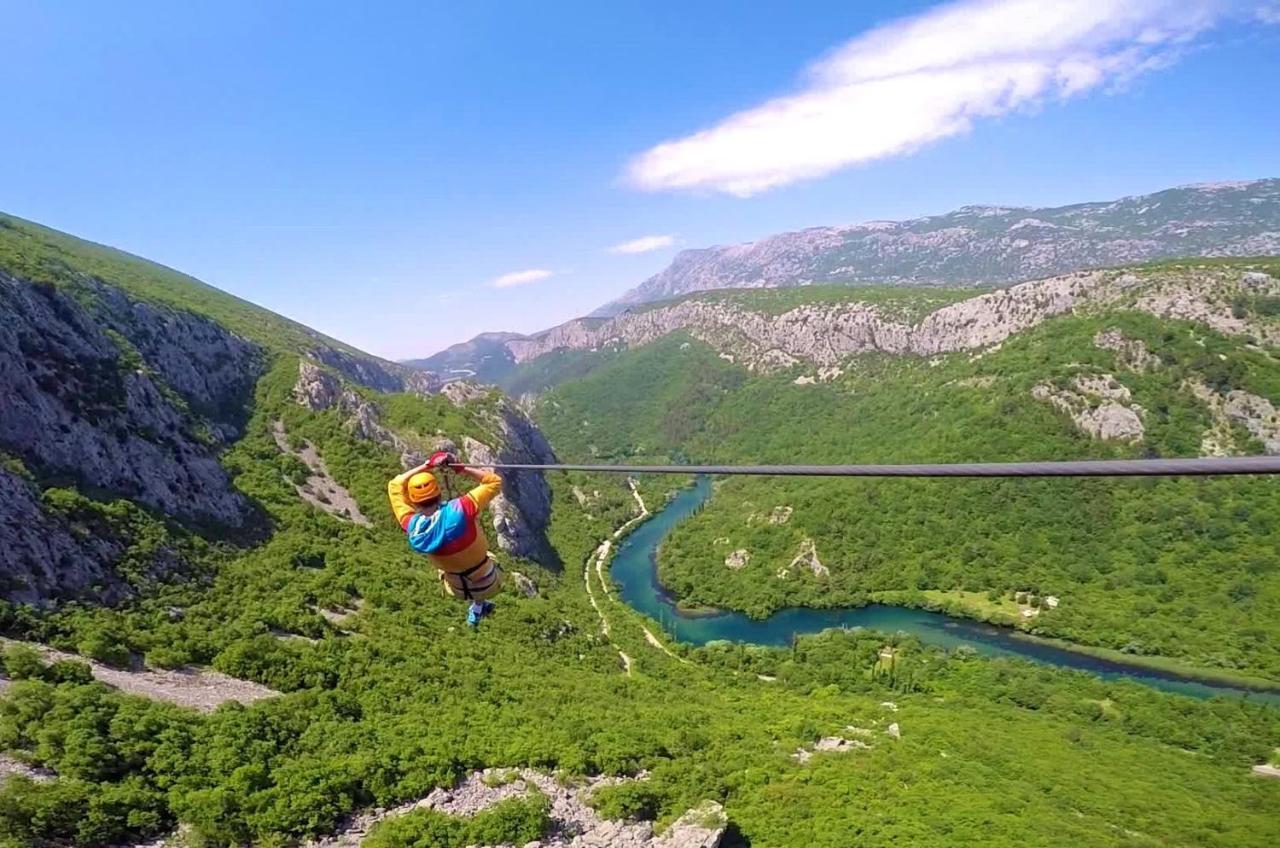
(523, 511)
(122, 398)
(121, 385)
(991, 245)
(820, 336)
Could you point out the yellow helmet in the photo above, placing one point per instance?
(423, 488)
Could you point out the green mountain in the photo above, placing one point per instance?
(191, 482)
(1157, 361)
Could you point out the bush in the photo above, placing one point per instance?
(516, 821)
(22, 662)
(627, 801)
(69, 671)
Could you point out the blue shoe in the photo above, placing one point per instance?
(486, 607)
(473, 617)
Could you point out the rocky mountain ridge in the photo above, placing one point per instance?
(989, 245)
(821, 336)
(115, 400)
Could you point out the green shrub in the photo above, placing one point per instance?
(22, 662)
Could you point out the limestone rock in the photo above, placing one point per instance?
(42, 556)
(701, 827)
(525, 586)
(128, 398)
(824, 336)
(320, 489)
(808, 559)
(1255, 413)
(1098, 406)
(1258, 415)
(738, 559)
(522, 513)
(462, 392)
(1130, 353)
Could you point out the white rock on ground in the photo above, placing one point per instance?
(200, 689)
(1130, 353)
(320, 489)
(738, 559)
(574, 823)
(524, 585)
(1110, 419)
(9, 767)
(808, 559)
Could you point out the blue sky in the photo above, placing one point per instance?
(373, 171)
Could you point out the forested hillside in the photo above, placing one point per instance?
(385, 696)
(1183, 569)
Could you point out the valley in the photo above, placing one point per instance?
(181, 518)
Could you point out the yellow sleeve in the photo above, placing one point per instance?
(399, 503)
(490, 487)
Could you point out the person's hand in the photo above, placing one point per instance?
(442, 459)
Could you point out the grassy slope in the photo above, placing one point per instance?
(402, 698)
(39, 254)
(1184, 569)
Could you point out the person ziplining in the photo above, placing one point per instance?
(449, 532)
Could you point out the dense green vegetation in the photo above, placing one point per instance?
(401, 698)
(517, 821)
(1177, 568)
(391, 695)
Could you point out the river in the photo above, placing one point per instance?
(635, 571)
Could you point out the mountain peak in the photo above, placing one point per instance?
(987, 244)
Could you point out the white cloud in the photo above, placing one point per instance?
(924, 78)
(644, 244)
(1268, 13)
(519, 278)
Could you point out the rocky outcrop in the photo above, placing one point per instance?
(125, 399)
(319, 489)
(1130, 353)
(1256, 414)
(524, 585)
(42, 556)
(364, 370)
(807, 559)
(1098, 405)
(830, 745)
(574, 824)
(522, 513)
(825, 335)
(738, 559)
(77, 405)
(319, 390)
(988, 244)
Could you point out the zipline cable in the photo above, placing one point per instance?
(1191, 467)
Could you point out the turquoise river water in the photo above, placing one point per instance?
(635, 571)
